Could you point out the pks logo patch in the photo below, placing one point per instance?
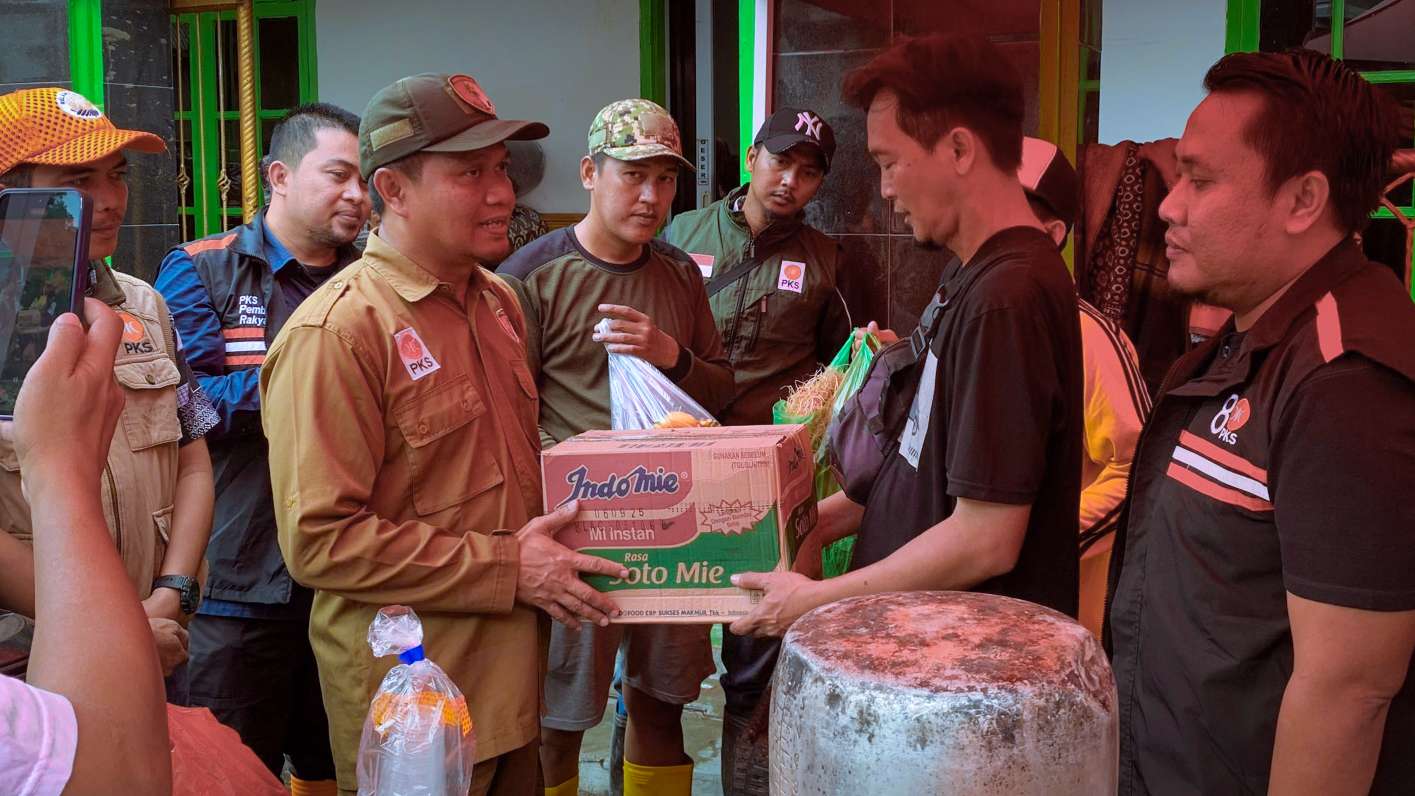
(417, 360)
(792, 277)
(1235, 414)
(77, 106)
(135, 340)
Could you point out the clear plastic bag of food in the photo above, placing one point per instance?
(418, 738)
(640, 396)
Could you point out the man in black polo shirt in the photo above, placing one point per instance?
(1264, 616)
(981, 488)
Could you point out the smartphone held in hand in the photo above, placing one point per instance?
(44, 273)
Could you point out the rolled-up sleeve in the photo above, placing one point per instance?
(324, 417)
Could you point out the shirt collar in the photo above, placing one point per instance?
(1339, 263)
(1205, 372)
(105, 286)
(409, 280)
(268, 247)
(275, 254)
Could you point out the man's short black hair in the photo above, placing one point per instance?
(1317, 114)
(295, 135)
(944, 81)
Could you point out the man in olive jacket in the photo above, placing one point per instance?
(772, 280)
(773, 283)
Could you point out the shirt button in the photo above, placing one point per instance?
(467, 404)
(336, 284)
(422, 428)
(151, 379)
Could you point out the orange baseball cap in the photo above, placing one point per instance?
(58, 127)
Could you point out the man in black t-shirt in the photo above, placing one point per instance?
(1263, 612)
(980, 489)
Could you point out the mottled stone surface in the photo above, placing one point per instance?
(942, 692)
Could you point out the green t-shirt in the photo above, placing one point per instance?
(561, 286)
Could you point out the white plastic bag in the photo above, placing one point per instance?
(640, 397)
(418, 738)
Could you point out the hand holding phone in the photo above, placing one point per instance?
(70, 402)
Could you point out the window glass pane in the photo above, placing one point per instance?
(187, 173)
(227, 67)
(1090, 117)
(279, 42)
(1304, 23)
(182, 65)
(1380, 34)
(1091, 22)
(1384, 242)
(1404, 94)
(233, 162)
(1090, 64)
(267, 128)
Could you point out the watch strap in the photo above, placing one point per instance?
(187, 587)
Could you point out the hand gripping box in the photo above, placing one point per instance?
(684, 510)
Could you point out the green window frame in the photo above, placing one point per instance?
(86, 50)
(206, 213)
(1243, 34)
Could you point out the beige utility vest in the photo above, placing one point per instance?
(140, 476)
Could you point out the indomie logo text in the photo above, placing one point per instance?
(636, 482)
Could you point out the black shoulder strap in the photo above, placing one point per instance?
(932, 317)
(731, 276)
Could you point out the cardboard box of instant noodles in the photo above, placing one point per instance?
(684, 510)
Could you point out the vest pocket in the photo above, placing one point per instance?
(150, 412)
(441, 431)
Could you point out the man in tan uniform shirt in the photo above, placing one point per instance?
(404, 446)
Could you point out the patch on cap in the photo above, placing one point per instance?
(468, 91)
(77, 106)
(391, 133)
(808, 124)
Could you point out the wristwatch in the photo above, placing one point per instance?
(188, 588)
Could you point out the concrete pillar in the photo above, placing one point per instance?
(942, 693)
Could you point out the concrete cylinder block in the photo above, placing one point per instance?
(942, 693)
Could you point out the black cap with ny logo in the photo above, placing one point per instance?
(790, 127)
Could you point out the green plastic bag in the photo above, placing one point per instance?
(835, 558)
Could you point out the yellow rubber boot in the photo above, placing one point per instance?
(658, 780)
(570, 787)
(313, 787)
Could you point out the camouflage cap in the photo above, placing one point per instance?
(636, 129)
